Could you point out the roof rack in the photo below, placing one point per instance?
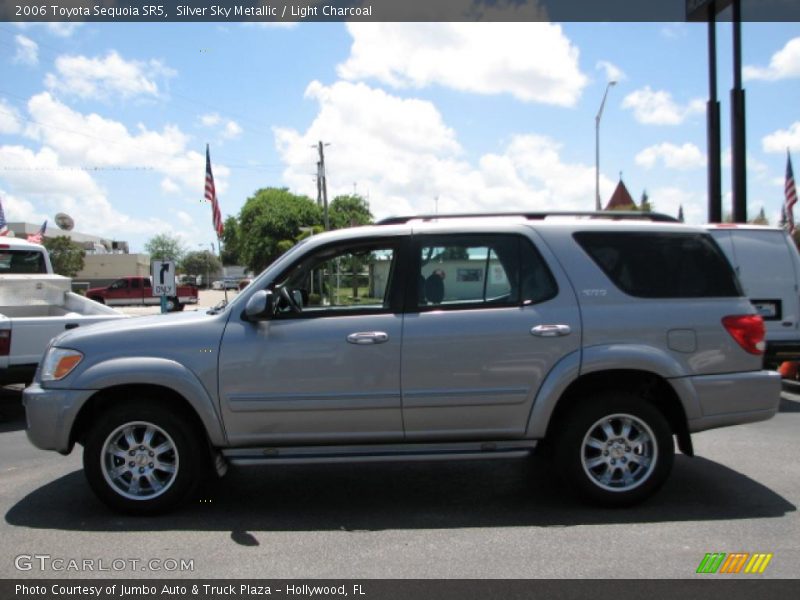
(614, 215)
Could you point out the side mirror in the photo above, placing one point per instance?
(260, 306)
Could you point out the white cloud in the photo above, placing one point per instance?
(10, 122)
(67, 190)
(613, 72)
(687, 156)
(107, 77)
(92, 140)
(18, 210)
(61, 29)
(402, 154)
(210, 119)
(232, 130)
(534, 62)
(27, 50)
(170, 187)
(658, 108)
(669, 199)
(784, 64)
(674, 31)
(780, 140)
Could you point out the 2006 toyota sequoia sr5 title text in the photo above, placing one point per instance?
(467, 337)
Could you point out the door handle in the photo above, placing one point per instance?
(551, 330)
(368, 337)
(71, 325)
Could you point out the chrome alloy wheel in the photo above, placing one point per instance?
(619, 452)
(139, 460)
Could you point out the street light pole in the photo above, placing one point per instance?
(597, 147)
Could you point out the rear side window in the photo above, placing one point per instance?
(662, 265)
(22, 262)
(480, 270)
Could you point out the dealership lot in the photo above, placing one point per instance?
(431, 520)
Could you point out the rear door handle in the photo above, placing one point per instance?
(368, 337)
(551, 330)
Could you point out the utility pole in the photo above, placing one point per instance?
(713, 124)
(322, 182)
(597, 204)
(738, 145)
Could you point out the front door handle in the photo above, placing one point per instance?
(368, 337)
(551, 330)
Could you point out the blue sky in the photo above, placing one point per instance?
(108, 122)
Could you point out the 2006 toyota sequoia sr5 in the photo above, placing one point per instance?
(477, 336)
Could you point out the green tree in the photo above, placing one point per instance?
(272, 221)
(200, 263)
(349, 211)
(165, 246)
(230, 242)
(66, 256)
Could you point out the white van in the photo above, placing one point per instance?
(768, 265)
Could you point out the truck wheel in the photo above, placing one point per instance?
(143, 459)
(173, 305)
(615, 449)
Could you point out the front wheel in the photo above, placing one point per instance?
(615, 449)
(142, 459)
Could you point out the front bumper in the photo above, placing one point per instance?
(735, 398)
(50, 415)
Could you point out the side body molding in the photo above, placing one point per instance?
(157, 371)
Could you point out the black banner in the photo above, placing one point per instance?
(385, 10)
(705, 587)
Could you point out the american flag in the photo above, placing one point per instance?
(791, 193)
(3, 225)
(211, 196)
(36, 238)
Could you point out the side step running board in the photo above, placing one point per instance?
(377, 453)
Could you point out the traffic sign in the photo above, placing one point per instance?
(163, 275)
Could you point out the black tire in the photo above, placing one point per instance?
(173, 305)
(177, 470)
(618, 470)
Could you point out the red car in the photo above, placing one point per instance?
(138, 291)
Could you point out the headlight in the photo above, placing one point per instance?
(59, 362)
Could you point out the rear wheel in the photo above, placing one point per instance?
(615, 449)
(143, 459)
(173, 305)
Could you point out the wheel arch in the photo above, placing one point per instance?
(167, 382)
(107, 397)
(554, 407)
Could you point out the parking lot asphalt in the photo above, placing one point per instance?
(474, 519)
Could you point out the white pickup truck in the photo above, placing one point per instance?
(36, 306)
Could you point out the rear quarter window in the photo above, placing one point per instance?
(662, 265)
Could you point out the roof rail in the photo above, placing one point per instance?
(614, 215)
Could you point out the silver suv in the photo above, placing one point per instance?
(459, 337)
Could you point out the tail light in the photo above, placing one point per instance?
(748, 331)
(5, 342)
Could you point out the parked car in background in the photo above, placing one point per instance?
(225, 284)
(138, 291)
(768, 265)
(36, 305)
(602, 340)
